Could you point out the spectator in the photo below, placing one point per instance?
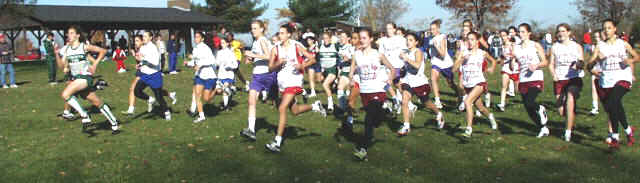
(6, 57)
(216, 41)
(181, 45)
(308, 34)
(223, 32)
(123, 43)
(495, 41)
(586, 39)
(162, 49)
(625, 37)
(173, 47)
(49, 49)
(119, 56)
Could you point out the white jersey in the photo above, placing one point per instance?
(261, 66)
(614, 68)
(525, 56)
(227, 61)
(415, 77)
(370, 71)
(392, 48)
(510, 65)
(203, 57)
(150, 54)
(447, 61)
(346, 51)
(566, 56)
(77, 59)
(289, 76)
(471, 69)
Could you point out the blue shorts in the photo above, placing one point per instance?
(207, 83)
(138, 73)
(263, 82)
(315, 67)
(230, 81)
(446, 72)
(152, 80)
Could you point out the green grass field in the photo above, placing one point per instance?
(37, 146)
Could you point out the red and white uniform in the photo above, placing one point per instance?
(371, 73)
(565, 57)
(525, 56)
(392, 48)
(613, 67)
(471, 69)
(415, 79)
(510, 66)
(289, 76)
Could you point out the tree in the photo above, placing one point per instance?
(376, 13)
(316, 14)
(479, 10)
(240, 13)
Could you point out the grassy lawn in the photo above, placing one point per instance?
(37, 146)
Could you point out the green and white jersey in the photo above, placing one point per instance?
(328, 55)
(77, 58)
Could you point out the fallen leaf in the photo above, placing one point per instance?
(191, 145)
(62, 173)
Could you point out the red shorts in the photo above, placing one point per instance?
(604, 92)
(421, 91)
(560, 86)
(524, 87)
(483, 85)
(369, 97)
(296, 90)
(514, 77)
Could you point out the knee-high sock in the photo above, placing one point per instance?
(73, 102)
(106, 111)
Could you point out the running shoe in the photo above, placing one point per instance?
(360, 154)
(630, 139)
(251, 135)
(273, 147)
(199, 120)
(544, 131)
(317, 107)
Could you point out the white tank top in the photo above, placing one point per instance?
(289, 76)
(613, 67)
(471, 69)
(510, 66)
(369, 72)
(525, 56)
(261, 66)
(77, 59)
(565, 57)
(441, 63)
(393, 47)
(414, 77)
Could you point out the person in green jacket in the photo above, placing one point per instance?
(49, 47)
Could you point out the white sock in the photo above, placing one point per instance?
(313, 91)
(502, 101)
(264, 93)
(151, 99)
(437, 99)
(66, 112)
(73, 102)
(315, 107)
(567, 132)
(106, 111)
(330, 101)
(201, 114)
(225, 100)
(594, 104)
(628, 130)
(252, 123)
(407, 125)
(193, 104)
(131, 109)
(348, 92)
(278, 140)
(411, 105)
